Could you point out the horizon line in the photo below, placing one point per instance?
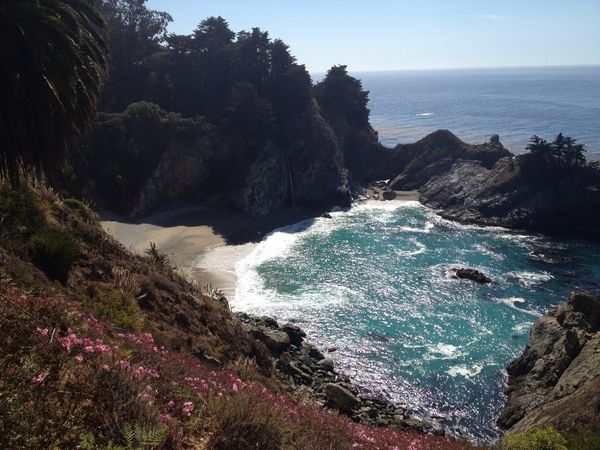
(539, 66)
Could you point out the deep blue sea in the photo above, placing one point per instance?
(477, 103)
(375, 282)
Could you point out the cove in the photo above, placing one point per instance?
(376, 283)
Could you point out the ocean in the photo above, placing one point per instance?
(375, 282)
(474, 104)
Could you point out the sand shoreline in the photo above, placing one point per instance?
(206, 243)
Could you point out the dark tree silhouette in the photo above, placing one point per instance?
(340, 94)
(52, 62)
(563, 151)
(539, 148)
(135, 34)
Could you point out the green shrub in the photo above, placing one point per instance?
(542, 438)
(246, 421)
(582, 440)
(159, 258)
(118, 308)
(54, 251)
(18, 208)
(80, 208)
(144, 111)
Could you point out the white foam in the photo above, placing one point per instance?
(425, 114)
(500, 231)
(427, 229)
(419, 250)
(485, 250)
(512, 303)
(389, 205)
(465, 371)
(522, 328)
(442, 351)
(530, 279)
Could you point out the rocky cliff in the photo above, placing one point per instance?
(410, 166)
(134, 165)
(556, 381)
(517, 192)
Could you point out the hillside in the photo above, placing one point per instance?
(103, 348)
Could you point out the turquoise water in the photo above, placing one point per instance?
(375, 282)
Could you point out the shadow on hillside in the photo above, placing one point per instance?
(234, 227)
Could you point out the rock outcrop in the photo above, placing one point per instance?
(435, 154)
(310, 374)
(517, 192)
(556, 380)
(472, 274)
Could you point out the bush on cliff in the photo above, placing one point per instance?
(54, 252)
(543, 438)
(548, 438)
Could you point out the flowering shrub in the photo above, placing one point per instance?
(68, 380)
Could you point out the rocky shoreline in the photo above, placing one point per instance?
(310, 374)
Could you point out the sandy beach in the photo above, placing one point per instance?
(206, 243)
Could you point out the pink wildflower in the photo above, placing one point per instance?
(102, 348)
(68, 341)
(139, 373)
(79, 359)
(105, 367)
(88, 349)
(414, 445)
(165, 418)
(235, 387)
(171, 404)
(39, 379)
(187, 409)
(124, 364)
(43, 332)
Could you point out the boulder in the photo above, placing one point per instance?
(341, 398)
(326, 365)
(389, 195)
(295, 333)
(473, 275)
(275, 340)
(312, 351)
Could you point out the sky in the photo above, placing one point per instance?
(378, 35)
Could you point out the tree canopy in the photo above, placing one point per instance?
(563, 151)
(342, 94)
(52, 60)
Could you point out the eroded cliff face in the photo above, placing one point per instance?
(135, 169)
(517, 193)
(556, 381)
(435, 154)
